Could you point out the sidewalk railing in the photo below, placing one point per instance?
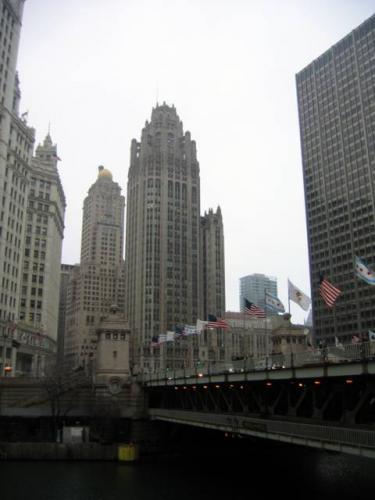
(311, 357)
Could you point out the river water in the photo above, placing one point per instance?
(231, 473)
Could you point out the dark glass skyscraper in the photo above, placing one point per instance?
(336, 101)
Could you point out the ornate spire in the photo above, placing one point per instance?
(47, 141)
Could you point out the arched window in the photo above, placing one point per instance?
(194, 194)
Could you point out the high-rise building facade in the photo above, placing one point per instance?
(66, 271)
(336, 102)
(40, 266)
(254, 287)
(97, 283)
(16, 144)
(32, 206)
(213, 264)
(39, 294)
(163, 235)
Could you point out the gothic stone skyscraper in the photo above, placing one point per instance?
(212, 268)
(39, 292)
(336, 101)
(43, 243)
(162, 231)
(66, 272)
(98, 282)
(16, 145)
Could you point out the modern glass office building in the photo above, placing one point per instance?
(254, 287)
(336, 102)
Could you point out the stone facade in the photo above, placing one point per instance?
(171, 252)
(288, 338)
(16, 147)
(213, 264)
(112, 358)
(66, 273)
(43, 243)
(98, 282)
(162, 232)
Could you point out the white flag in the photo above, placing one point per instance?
(162, 338)
(170, 336)
(338, 343)
(298, 297)
(190, 330)
(364, 272)
(201, 325)
(274, 304)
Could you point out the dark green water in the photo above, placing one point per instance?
(272, 471)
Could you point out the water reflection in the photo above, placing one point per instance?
(233, 473)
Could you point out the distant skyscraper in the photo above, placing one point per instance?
(254, 287)
(166, 241)
(16, 145)
(40, 266)
(31, 220)
(213, 272)
(98, 282)
(336, 96)
(39, 301)
(66, 274)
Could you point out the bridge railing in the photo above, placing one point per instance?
(319, 356)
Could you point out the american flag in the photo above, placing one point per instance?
(180, 331)
(155, 341)
(253, 310)
(328, 292)
(214, 322)
(12, 326)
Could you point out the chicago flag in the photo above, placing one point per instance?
(363, 272)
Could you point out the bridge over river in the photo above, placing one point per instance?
(322, 398)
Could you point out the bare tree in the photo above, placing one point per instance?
(65, 390)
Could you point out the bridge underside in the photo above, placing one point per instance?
(332, 438)
(336, 413)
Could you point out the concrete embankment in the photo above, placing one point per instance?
(58, 451)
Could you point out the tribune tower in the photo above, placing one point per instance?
(162, 231)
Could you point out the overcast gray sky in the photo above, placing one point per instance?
(95, 68)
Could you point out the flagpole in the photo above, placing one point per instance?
(174, 351)
(288, 299)
(243, 313)
(265, 324)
